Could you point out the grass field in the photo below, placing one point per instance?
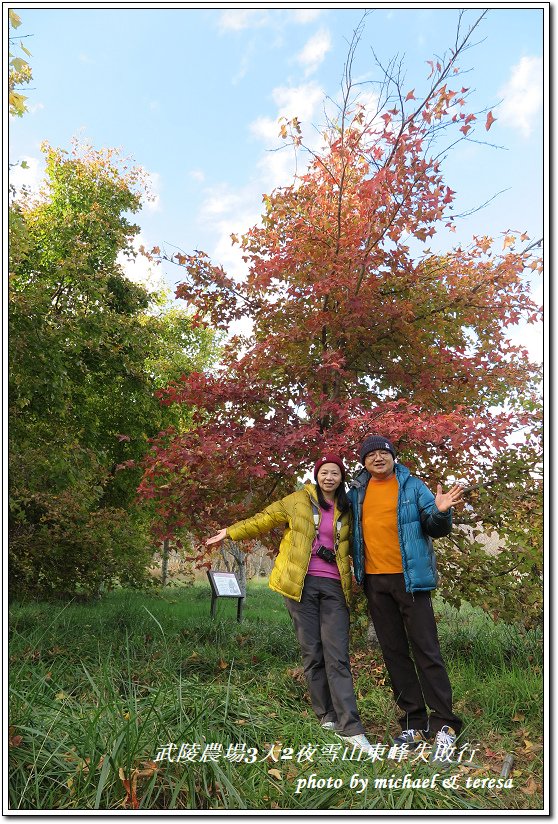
(97, 692)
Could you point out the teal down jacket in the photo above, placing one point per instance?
(418, 521)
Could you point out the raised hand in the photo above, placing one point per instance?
(445, 500)
(216, 539)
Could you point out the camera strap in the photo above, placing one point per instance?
(316, 512)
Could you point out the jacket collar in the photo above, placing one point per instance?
(363, 476)
(311, 490)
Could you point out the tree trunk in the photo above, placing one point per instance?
(165, 562)
(240, 558)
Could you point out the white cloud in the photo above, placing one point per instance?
(522, 95)
(265, 128)
(226, 211)
(141, 270)
(242, 70)
(277, 169)
(300, 101)
(277, 165)
(314, 51)
(238, 19)
(33, 108)
(197, 174)
(229, 255)
(220, 200)
(303, 16)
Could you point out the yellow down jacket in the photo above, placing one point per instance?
(296, 513)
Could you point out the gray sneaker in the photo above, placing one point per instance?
(411, 738)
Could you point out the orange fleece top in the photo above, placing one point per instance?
(379, 527)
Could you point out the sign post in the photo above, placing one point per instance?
(225, 585)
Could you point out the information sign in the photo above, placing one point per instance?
(225, 585)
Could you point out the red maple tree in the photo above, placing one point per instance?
(356, 326)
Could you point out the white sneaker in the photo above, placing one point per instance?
(360, 741)
(329, 725)
(444, 742)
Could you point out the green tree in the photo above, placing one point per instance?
(87, 350)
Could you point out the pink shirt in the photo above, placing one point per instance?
(324, 538)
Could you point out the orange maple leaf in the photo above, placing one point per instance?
(411, 95)
(489, 120)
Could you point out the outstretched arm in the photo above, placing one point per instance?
(216, 539)
(272, 516)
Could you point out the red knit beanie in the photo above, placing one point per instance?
(330, 458)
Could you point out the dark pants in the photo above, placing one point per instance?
(321, 622)
(401, 618)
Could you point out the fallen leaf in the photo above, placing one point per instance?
(530, 747)
(275, 773)
(530, 787)
(130, 785)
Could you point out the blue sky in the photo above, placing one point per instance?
(193, 95)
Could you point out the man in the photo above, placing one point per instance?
(395, 516)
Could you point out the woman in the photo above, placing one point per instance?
(313, 572)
